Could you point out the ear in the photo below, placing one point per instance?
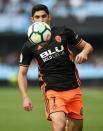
(32, 19)
(49, 18)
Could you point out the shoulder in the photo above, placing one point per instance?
(62, 29)
(27, 44)
(57, 28)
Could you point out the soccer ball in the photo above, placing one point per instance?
(39, 32)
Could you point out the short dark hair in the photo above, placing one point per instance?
(38, 8)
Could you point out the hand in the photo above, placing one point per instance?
(27, 104)
(81, 57)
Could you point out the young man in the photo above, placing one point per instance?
(58, 76)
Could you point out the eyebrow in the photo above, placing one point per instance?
(44, 15)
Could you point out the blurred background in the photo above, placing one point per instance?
(83, 16)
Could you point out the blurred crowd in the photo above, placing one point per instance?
(61, 7)
(12, 59)
(97, 59)
(20, 11)
(24, 6)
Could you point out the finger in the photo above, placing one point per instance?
(28, 108)
(78, 59)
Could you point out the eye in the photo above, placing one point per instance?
(44, 16)
(37, 17)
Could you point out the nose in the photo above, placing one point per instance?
(41, 19)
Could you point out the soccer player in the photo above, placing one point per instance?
(58, 75)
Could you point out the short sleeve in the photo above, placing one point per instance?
(26, 56)
(72, 37)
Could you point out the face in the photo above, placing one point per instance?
(41, 16)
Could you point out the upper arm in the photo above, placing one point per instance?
(72, 37)
(26, 56)
(24, 61)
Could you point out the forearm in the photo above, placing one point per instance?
(85, 47)
(22, 81)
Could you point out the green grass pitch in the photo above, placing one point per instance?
(14, 118)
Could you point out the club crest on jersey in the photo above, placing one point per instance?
(58, 39)
(39, 47)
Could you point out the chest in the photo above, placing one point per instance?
(53, 49)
